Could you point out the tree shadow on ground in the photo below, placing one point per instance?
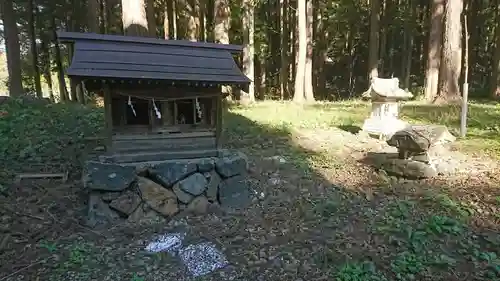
(421, 230)
(407, 229)
(350, 128)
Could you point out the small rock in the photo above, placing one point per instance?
(169, 173)
(234, 193)
(213, 186)
(207, 175)
(206, 165)
(107, 177)
(232, 165)
(198, 205)
(195, 184)
(183, 196)
(126, 203)
(160, 199)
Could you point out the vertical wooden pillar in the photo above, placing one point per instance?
(218, 125)
(108, 116)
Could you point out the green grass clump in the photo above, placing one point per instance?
(34, 133)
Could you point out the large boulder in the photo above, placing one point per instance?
(232, 164)
(107, 177)
(169, 173)
(213, 186)
(195, 184)
(182, 196)
(419, 139)
(160, 199)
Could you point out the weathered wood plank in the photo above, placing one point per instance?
(159, 156)
(165, 144)
(218, 123)
(108, 115)
(164, 136)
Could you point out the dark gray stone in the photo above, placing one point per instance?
(206, 165)
(107, 177)
(420, 138)
(169, 173)
(234, 193)
(98, 213)
(182, 196)
(213, 186)
(195, 184)
(232, 165)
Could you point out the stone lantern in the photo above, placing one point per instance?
(385, 96)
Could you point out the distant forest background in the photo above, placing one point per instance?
(294, 49)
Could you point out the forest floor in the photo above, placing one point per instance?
(321, 214)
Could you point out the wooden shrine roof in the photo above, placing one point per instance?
(126, 57)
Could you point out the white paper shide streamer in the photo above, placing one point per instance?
(198, 108)
(131, 105)
(158, 113)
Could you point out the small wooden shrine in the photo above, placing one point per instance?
(162, 98)
(385, 96)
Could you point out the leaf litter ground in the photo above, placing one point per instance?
(318, 214)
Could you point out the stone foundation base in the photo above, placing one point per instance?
(164, 189)
(419, 149)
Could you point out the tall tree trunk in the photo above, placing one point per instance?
(292, 21)
(222, 14)
(46, 66)
(32, 9)
(299, 90)
(248, 47)
(93, 15)
(308, 81)
(170, 23)
(284, 49)
(383, 30)
(320, 33)
(374, 38)
(166, 19)
(103, 19)
(12, 48)
(203, 20)
(495, 75)
(63, 92)
(150, 16)
(408, 40)
(134, 18)
(451, 60)
(221, 28)
(434, 50)
(193, 11)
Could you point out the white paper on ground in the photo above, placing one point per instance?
(170, 243)
(203, 258)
